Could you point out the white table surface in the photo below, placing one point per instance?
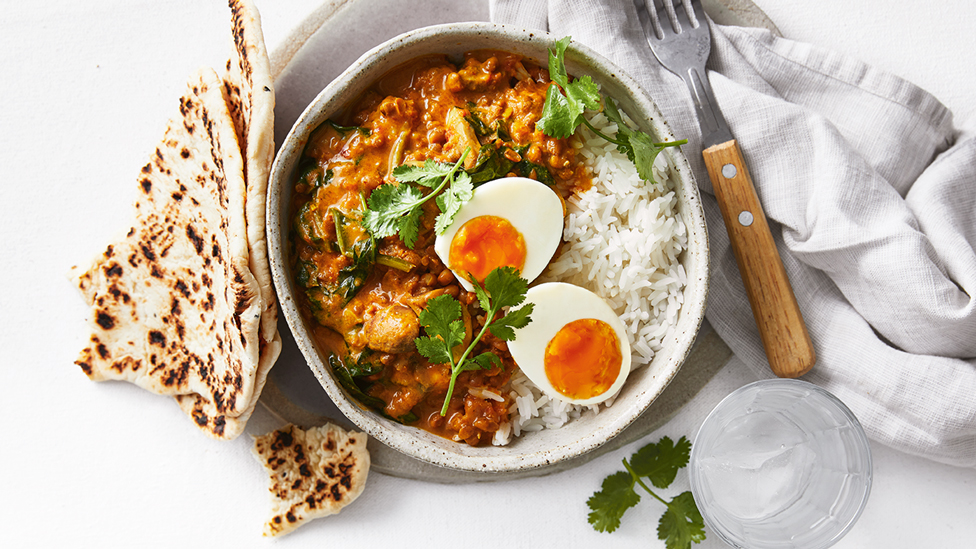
(85, 91)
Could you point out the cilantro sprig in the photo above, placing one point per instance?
(396, 209)
(681, 524)
(441, 319)
(564, 109)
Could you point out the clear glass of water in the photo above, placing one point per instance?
(780, 463)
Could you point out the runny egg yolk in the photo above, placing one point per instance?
(583, 359)
(484, 243)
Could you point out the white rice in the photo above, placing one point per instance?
(623, 239)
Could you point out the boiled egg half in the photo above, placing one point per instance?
(513, 221)
(575, 348)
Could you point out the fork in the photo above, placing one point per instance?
(680, 39)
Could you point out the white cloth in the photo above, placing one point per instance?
(871, 195)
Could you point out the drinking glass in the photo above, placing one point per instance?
(780, 463)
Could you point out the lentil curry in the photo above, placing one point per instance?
(365, 293)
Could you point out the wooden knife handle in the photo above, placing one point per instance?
(784, 334)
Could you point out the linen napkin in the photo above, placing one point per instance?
(870, 191)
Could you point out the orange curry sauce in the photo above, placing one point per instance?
(365, 294)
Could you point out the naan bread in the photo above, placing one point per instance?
(250, 96)
(176, 309)
(167, 316)
(314, 473)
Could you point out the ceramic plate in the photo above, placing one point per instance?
(319, 49)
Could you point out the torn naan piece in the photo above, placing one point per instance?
(250, 96)
(175, 308)
(314, 473)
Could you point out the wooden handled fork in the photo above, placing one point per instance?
(681, 40)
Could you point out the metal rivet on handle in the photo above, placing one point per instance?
(745, 218)
(728, 171)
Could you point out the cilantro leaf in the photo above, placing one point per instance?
(434, 349)
(505, 288)
(441, 320)
(387, 205)
(660, 462)
(613, 115)
(585, 92)
(484, 361)
(557, 67)
(609, 504)
(410, 227)
(681, 524)
(502, 328)
(380, 200)
(430, 175)
(558, 115)
(563, 112)
(451, 200)
(396, 209)
(639, 147)
(440, 311)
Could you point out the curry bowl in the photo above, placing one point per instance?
(534, 449)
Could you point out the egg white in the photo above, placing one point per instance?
(531, 207)
(556, 304)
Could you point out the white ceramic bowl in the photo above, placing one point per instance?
(541, 448)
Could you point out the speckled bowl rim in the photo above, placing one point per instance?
(637, 395)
